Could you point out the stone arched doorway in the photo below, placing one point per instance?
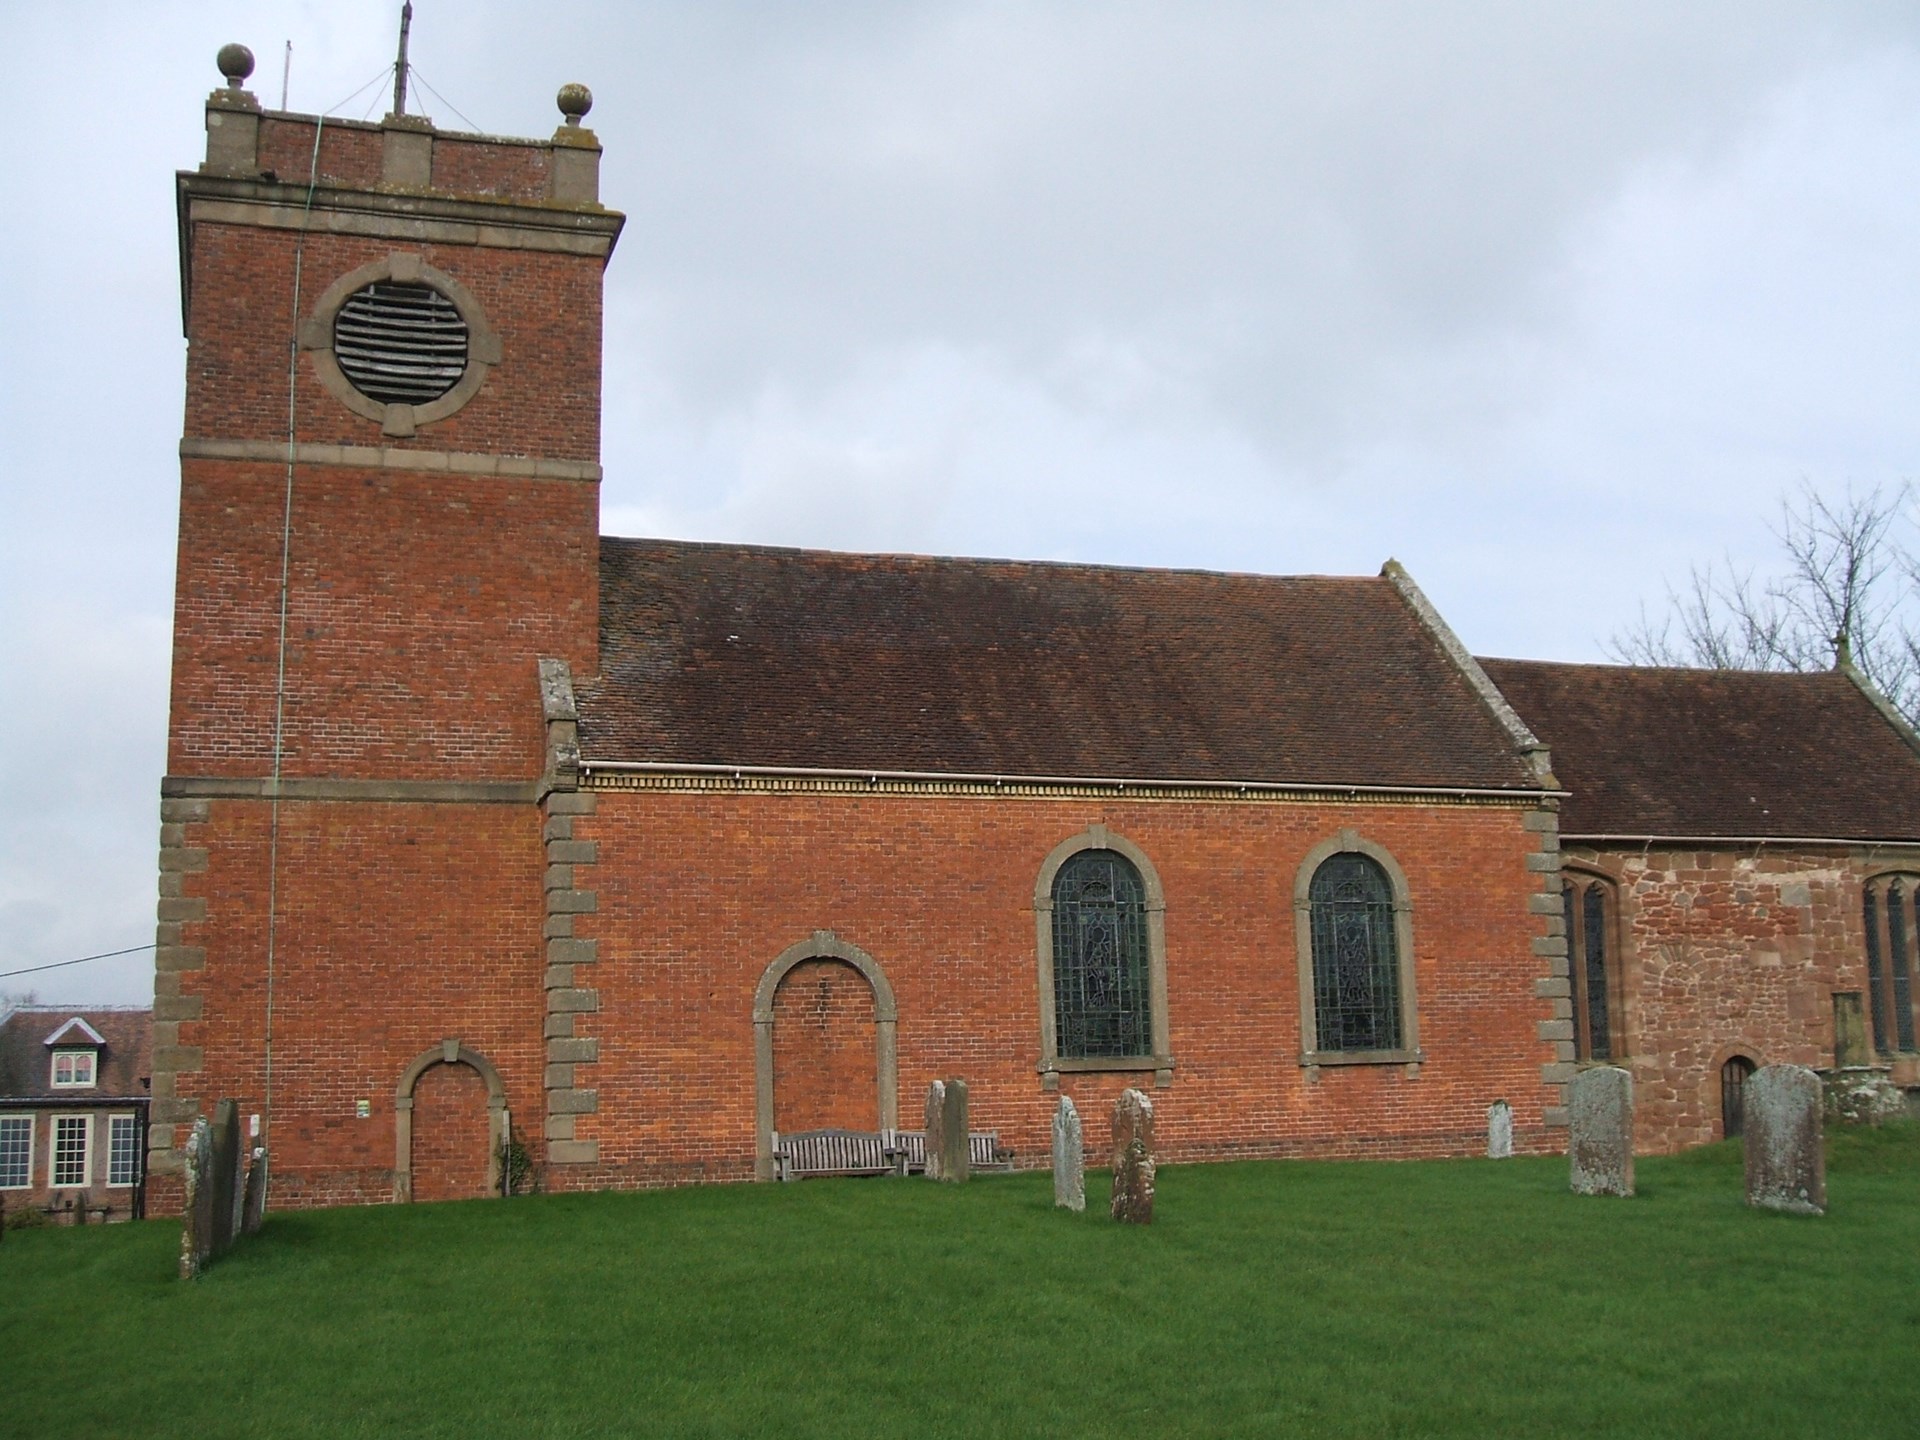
(824, 1048)
(450, 1120)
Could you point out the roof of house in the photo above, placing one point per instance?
(803, 659)
(1717, 753)
(125, 1050)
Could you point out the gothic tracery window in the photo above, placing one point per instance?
(1890, 910)
(1592, 967)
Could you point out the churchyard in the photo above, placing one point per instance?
(1474, 1297)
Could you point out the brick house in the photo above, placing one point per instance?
(479, 825)
(1741, 860)
(73, 1109)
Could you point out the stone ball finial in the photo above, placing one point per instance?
(574, 101)
(236, 64)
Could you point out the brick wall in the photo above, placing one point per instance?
(543, 399)
(404, 658)
(401, 925)
(1726, 952)
(823, 1049)
(449, 1159)
(698, 893)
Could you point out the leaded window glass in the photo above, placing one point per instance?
(16, 1151)
(70, 1136)
(1890, 915)
(1590, 967)
(1356, 956)
(1101, 1008)
(123, 1156)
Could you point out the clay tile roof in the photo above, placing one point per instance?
(745, 655)
(1716, 753)
(125, 1051)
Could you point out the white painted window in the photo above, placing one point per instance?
(72, 1069)
(16, 1152)
(123, 1155)
(72, 1150)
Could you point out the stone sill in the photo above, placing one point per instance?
(1363, 1057)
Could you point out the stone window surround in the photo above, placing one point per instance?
(1052, 1064)
(1350, 842)
(448, 1052)
(1581, 878)
(821, 945)
(10, 1120)
(74, 1082)
(399, 420)
(55, 1150)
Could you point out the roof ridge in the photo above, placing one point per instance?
(1009, 561)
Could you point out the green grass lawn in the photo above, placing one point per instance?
(1465, 1298)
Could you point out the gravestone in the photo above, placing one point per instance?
(1849, 1031)
(196, 1228)
(1133, 1159)
(1600, 1131)
(936, 1117)
(947, 1157)
(1499, 1131)
(1786, 1153)
(226, 1174)
(1069, 1158)
(253, 1210)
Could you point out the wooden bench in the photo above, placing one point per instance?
(908, 1150)
(830, 1152)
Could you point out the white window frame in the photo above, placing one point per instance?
(93, 1069)
(54, 1182)
(26, 1184)
(132, 1123)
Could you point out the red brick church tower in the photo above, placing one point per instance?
(389, 484)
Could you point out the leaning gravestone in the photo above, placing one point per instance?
(1786, 1153)
(1600, 1131)
(253, 1209)
(226, 1174)
(1499, 1131)
(1069, 1158)
(196, 1229)
(1133, 1158)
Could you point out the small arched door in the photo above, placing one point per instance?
(1733, 1090)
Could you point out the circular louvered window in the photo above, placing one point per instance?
(400, 342)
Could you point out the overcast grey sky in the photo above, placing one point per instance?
(1548, 301)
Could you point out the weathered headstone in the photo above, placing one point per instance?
(226, 1175)
(936, 1117)
(253, 1211)
(1786, 1153)
(1133, 1158)
(947, 1157)
(196, 1229)
(1600, 1131)
(1499, 1131)
(1069, 1158)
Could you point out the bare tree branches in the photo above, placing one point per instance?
(1848, 588)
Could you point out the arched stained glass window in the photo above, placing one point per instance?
(1356, 959)
(1101, 1007)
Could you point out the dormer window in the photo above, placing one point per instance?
(72, 1069)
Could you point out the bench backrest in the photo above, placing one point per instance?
(983, 1148)
(827, 1152)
